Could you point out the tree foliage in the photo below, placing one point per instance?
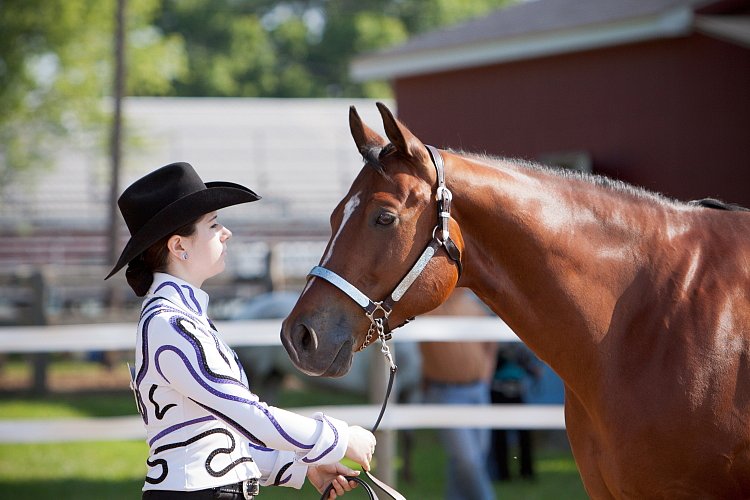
(296, 48)
(56, 56)
(56, 59)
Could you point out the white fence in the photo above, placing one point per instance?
(104, 337)
(121, 336)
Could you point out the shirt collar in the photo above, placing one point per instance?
(180, 293)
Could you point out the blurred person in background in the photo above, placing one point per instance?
(210, 437)
(515, 370)
(460, 373)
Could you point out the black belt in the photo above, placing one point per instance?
(244, 490)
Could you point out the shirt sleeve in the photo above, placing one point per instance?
(279, 468)
(191, 361)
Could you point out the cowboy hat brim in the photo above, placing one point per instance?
(187, 209)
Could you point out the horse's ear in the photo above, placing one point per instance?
(400, 136)
(364, 137)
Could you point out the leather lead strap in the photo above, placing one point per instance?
(380, 484)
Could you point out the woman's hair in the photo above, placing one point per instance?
(140, 272)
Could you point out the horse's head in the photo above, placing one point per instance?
(379, 230)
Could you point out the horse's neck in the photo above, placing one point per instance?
(548, 254)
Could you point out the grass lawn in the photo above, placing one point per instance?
(114, 470)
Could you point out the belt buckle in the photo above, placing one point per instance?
(250, 488)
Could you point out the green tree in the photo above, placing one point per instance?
(296, 48)
(56, 56)
(56, 59)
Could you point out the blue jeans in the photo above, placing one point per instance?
(467, 476)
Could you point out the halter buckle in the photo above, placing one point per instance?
(378, 307)
(443, 194)
(377, 325)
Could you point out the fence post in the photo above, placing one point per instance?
(37, 315)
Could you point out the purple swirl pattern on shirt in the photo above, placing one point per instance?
(330, 448)
(177, 325)
(196, 309)
(249, 435)
(145, 308)
(217, 344)
(179, 426)
(170, 307)
(192, 297)
(150, 310)
(225, 450)
(226, 396)
(196, 323)
(258, 447)
(144, 364)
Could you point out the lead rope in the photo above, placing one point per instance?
(377, 325)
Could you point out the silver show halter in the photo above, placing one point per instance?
(378, 312)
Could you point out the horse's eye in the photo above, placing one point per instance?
(386, 219)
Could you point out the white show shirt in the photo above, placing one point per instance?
(203, 425)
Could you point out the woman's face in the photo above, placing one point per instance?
(207, 248)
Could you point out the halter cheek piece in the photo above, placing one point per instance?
(378, 312)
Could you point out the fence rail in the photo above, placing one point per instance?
(118, 336)
(121, 336)
(397, 417)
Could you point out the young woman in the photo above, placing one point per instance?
(209, 435)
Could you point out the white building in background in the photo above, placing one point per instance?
(297, 154)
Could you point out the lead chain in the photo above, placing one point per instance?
(376, 326)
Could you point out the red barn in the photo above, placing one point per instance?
(656, 93)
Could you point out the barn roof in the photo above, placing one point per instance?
(539, 28)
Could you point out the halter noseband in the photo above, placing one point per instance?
(378, 312)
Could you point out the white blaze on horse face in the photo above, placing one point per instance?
(349, 208)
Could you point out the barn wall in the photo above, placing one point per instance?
(670, 115)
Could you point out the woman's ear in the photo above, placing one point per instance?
(176, 246)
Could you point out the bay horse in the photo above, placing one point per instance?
(638, 302)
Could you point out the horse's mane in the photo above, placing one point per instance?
(373, 157)
(718, 204)
(615, 185)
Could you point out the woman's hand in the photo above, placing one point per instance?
(322, 475)
(361, 446)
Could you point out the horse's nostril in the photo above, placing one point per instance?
(304, 339)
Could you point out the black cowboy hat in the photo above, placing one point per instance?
(167, 199)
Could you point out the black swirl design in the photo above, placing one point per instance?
(178, 324)
(277, 480)
(164, 470)
(229, 467)
(249, 435)
(211, 456)
(159, 412)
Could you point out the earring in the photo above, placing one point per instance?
(184, 256)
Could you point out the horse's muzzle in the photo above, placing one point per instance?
(313, 356)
